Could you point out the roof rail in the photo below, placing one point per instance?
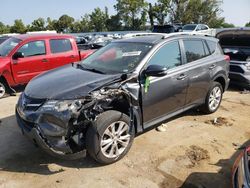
(164, 35)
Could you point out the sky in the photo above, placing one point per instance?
(236, 12)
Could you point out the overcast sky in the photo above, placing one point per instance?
(236, 12)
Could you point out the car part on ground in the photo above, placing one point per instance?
(101, 103)
(241, 169)
(236, 44)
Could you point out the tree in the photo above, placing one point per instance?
(18, 27)
(227, 25)
(37, 25)
(247, 24)
(161, 10)
(64, 24)
(132, 12)
(98, 20)
(196, 11)
(114, 23)
(4, 28)
(51, 24)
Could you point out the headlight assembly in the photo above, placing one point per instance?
(60, 106)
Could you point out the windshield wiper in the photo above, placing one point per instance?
(84, 67)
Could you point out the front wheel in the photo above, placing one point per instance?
(213, 99)
(110, 137)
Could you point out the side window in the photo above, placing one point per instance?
(194, 50)
(60, 45)
(203, 27)
(34, 48)
(211, 46)
(168, 56)
(207, 53)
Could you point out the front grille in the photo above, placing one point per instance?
(235, 68)
(31, 104)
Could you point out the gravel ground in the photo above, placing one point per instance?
(195, 150)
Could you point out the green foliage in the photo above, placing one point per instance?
(18, 27)
(37, 25)
(4, 28)
(98, 20)
(227, 25)
(64, 24)
(247, 24)
(132, 13)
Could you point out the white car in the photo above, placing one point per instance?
(198, 28)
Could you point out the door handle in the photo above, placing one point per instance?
(182, 77)
(212, 67)
(44, 60)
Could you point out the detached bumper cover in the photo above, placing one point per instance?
(30, 130)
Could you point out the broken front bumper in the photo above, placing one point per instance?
(31, 130)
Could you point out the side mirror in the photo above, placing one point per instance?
(18, 55)
(156, 71)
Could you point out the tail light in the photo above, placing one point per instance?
(227, 58)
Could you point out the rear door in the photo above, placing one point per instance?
(62, 52)
(165, 94)
(33, 62)
(198, 63)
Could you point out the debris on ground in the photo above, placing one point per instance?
(196, 154)
(237, 145)
(220, 121)
(162, 128)
(245, 91)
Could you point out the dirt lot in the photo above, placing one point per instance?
(195, 151)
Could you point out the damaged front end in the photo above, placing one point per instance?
(60, 127)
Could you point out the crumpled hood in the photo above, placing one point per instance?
(67, 82)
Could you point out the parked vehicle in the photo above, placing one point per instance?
(198, 28)
(121, 90)
(24, 56)
(163, 29)
(3, 38)
(241, 170)
(236, 44)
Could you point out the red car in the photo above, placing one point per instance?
(23, 57)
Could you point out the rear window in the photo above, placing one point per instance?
(60, 45)
(194, 50)
(212, 46)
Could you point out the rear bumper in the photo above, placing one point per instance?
(239, 79)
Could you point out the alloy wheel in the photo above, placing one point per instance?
(2, 90)
(115, 139)
(215, 98)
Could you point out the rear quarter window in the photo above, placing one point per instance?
(212, 46)
(60, 45)
(194, 50)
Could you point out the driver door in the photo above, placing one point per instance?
(32, 63)
(166, 94)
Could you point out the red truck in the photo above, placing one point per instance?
(23, 57)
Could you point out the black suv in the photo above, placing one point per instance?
(100, 104)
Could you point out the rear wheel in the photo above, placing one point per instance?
(2, 89)
(110, 137)
(213, 99)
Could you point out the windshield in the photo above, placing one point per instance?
(189, 27)
(117, 57)
(7, 46)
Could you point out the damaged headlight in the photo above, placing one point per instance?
(60, 106)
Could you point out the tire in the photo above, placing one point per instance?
(3, 89)
(211, 98)
(101, 138)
